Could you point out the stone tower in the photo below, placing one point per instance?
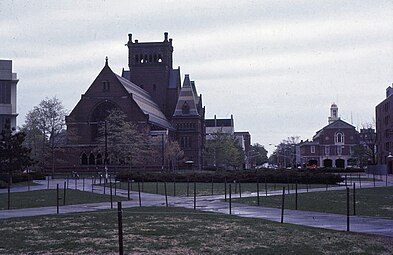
(151, 69)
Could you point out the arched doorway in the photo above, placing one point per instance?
(340, 163)
(327, 163)
(312, 162)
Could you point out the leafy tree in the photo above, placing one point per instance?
(14, 156)
(258, 154)
(173, 153)
(45, 122)
(362, 153)
(223, 151)
(126, 144)
(285, 153)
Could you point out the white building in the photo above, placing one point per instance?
(8, 81)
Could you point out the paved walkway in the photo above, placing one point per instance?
(369, 225)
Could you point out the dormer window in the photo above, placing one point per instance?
(185, 109)
(106, 85)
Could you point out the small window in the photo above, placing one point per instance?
(339, 150)
(327, 150)
(312, 149)
(339, 137)
(105, 85)
(83, 159)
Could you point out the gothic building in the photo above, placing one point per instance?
(151, 96)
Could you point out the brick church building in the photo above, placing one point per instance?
(151, 96)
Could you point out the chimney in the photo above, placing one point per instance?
(165, 36)
(130, 38)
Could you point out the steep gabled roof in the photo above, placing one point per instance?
(187, 101)
(145, 103)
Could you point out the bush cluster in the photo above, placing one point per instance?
(22, 177)
(270, 176)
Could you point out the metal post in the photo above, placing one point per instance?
(57, 198)
(258, 192)
(265, 188)
(230, 199)
(240, 189)
(120, 227)
(360, 182)
(76, 183)
(64, 193)
(166, 195)
(188, 188)
(296, 196)
(83, 183)
(347, 209)
(386, 179)
(28, 183)
(128, 190)
(212, 187)
(110, 189)
(225, 190)
(48, 183)
(282, 204)
(174, 187)
(156, 187)
(354, 199)
(194, 195)
(139, 191)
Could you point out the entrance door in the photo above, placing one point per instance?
(327, 163)
(340, 163)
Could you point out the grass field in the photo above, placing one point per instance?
(42, 198)
(207, 189)
(376, 202)
(155, 230)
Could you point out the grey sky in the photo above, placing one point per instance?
(276, 65)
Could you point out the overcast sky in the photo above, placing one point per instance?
(277, 66)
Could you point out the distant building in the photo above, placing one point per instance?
(384, 129)
(332, 146)
(227, 126)
(8, 93)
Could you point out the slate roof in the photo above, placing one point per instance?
(145, 102)
(187, 101)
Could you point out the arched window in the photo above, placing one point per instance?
(83, 159)
(92, 159)
(339, 137)
(159, 58)
(150, 58)
(99, 159)
(145, 58)
(155, 57)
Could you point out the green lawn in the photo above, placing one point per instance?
(207, 189)
(42, 198)
(376, 202)
(155, 230)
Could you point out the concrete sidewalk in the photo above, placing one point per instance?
(378, 226)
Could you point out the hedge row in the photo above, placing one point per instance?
(22, 177)
(270, 176)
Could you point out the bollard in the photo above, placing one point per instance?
(120, 227)
(347, 209)
(230, 199)
(166, 195)
(282, 204)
